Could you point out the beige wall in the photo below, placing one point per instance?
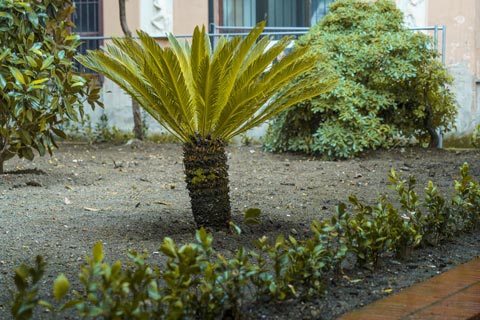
(111, 17)
(477, 37)
(187, 14)
(462, 21)
(459, 16)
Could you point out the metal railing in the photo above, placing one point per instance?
(227, 31)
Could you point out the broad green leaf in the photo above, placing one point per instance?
(168, 248)
(4, 14)
(252, 216)
(98, 252)
(47, 62)
(17, 75)
(33, 17)
(27, 153)
(72, 37)
(3, 82)
(60, 287)
(4, 53)
(234, 228)
(39, 81)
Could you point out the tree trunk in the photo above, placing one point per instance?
(428, 124)
(137, 121)
(123, 18)
(206, 172)
(137, 117)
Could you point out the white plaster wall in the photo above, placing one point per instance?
(414, 11)
(464, 88)
(118, 109)
(156, 17)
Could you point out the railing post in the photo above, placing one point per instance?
(444, 43)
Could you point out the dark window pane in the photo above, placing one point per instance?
(87, 20)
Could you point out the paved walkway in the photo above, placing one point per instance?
(452, 295)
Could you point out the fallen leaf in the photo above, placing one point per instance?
(163, 203)
(69, 187)
(387, 290)
(33, 183)
(352, 280)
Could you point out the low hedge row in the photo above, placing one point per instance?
(196, 282)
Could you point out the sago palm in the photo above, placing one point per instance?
(205, 97)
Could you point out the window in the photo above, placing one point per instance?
(88, 20)
(278, 13)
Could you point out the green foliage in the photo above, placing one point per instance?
(467, 200)
(367, 231)
(39, 87)
(195, 282)
(27, 283)
(476, 137)
(390, 83)
(371, 231)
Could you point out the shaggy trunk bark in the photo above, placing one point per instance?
(2, 154)
(137, 117)
(206, 172)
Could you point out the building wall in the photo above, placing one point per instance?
(462, 55)
(111, 17)
(187, 14)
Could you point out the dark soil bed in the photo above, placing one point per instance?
(131, 197)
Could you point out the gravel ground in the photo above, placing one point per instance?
(132, 196)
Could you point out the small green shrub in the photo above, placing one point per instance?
(467, 200)
(367, 230)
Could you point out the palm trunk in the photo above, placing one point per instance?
(206, 172)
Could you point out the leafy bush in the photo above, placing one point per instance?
(374, 230)
(196, 282)
(390, 83)
(39, 87)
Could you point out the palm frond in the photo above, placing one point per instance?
(134, 84)
(301, 90)
(167, 65)
(192, 89)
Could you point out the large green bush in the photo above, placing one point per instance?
(390, 84)
(39, 87)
